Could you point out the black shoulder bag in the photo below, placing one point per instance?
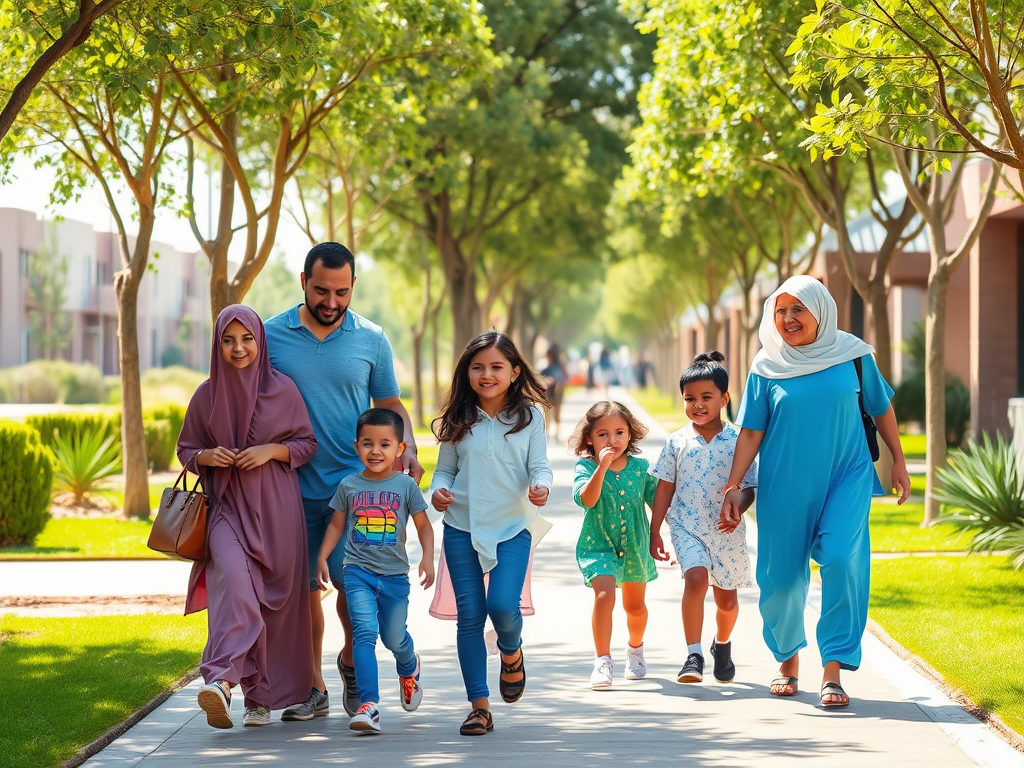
(870, 430)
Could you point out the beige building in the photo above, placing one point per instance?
(174, 300)
(985, 312)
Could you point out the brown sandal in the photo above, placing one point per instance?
(478, 723)
(833, 690)
(512, 692)
(782, 682)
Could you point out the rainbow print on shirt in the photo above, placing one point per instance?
(375, 518)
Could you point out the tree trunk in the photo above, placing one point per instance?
(417, 374)
(935, 385)
(133, 437)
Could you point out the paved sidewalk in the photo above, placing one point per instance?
(896, 719)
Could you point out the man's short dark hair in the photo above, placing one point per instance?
(333, 256)
(381, 417)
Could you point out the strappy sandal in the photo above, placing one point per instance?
(833, 689)
(783, 682)
(512, 692)
(478, 723)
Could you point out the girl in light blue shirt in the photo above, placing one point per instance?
(492, 474)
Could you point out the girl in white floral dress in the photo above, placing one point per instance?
(693, 470)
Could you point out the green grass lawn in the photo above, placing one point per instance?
(897, 528)
(66, 681)
(89, 537)
(964, 616)
(913, 446)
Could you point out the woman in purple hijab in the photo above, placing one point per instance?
(245, 432)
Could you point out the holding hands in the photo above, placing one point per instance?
(729, 519)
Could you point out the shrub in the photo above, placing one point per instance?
(909, 401)
(985, 487)
(26, 475)
(84, 461)
(72, 425)
(173, 412)
(159, 445)
(53, 381)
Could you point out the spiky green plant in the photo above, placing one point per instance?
(84, 462)
(984, 487)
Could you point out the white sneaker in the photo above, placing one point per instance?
(409, 689)
(366, 719)
(215, 701)
(636, 665)
(601, 677)
(256, 715)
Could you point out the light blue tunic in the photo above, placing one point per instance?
(816, 480)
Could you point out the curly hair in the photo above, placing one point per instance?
(579, 442)
(459, 414)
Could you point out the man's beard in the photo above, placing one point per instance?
(315, 314)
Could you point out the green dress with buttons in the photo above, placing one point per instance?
(616, 535)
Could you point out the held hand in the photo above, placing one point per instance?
(442, 499)
(539, 495)
(901, 480)
(323, 576)
(729, 519)
(658, 547)
(216, 457)
(254, 456)
(606, 457)
(408, 464)
(427, 572)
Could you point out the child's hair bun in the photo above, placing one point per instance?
(714, 356)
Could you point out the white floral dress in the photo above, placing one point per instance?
(700, 470)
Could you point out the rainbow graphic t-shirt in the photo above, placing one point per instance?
(377, 514)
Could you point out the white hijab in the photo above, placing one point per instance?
(779, 360)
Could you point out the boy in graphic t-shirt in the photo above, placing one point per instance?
(372, 509)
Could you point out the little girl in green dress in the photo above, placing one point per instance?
(612, 485)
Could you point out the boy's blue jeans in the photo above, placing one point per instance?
(474, 604)
(378, 604)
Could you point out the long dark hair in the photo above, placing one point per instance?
(459, 414)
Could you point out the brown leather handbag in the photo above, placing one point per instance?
(179, 530)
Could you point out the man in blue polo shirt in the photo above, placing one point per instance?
(340, 362)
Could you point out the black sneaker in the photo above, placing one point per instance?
(725, 670)
(693, 669)
(349, 689)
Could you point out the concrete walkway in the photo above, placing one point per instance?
(896, 719)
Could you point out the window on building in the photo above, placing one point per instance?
(23, 257)
(154, 353)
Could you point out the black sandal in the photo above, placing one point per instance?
(833, 690)
(478, 723)
(512, 692)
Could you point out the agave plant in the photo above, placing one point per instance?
(984, 487)
(85, 461)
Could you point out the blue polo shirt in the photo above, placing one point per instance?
(337, 378)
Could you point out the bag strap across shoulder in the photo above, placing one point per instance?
(860, 381)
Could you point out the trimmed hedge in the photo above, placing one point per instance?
(53, 381)
(162, 424)
(26, 475)
(159, 446)
(72, 425)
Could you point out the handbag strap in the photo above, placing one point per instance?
(860, 381)
(184, 486)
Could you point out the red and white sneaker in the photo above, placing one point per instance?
(366, 719)
(409, 689)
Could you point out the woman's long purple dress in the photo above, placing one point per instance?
(255, 580)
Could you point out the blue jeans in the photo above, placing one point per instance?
(378, 604)
(474, 604)
(318, 513)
